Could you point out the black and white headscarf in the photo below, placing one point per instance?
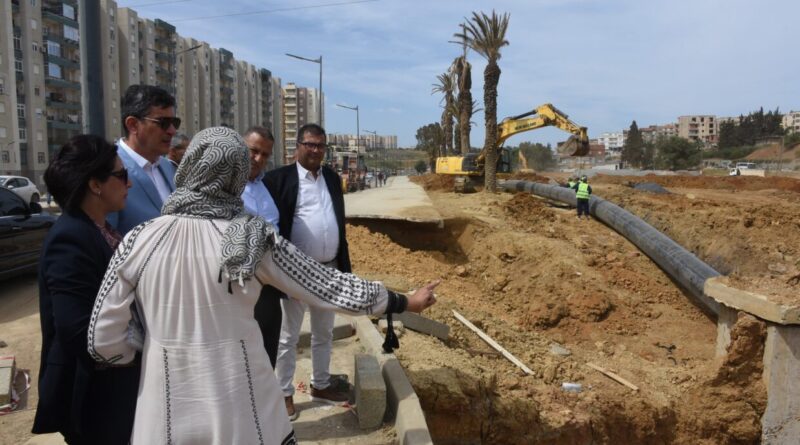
(209, 184)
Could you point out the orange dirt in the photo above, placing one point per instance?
(531, 275)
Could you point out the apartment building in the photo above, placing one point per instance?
(613, 141)
(369, 141)
(40, 81)
(791, 122)
(653, 133)
(703, 128)
(40, 99)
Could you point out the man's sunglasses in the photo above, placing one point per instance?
(122, 175)
(314, 146)
(165, 122)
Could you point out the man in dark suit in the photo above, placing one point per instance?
(311, 207)
(148, 123)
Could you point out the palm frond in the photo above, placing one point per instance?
(485, 34)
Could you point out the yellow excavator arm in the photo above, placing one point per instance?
(546, 116)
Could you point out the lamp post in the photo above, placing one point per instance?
(319, 61)
(374, 133)
(358, 126)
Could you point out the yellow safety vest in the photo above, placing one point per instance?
(571, 184)
(583, 191)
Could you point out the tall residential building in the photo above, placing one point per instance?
(128, 32)
(791, 122)
(703, 128)
(187, 72)
(165, 40)
(278, 150)
(111, 74)
(208, 84)
(147, 56)
(227, 83)
(41, 106)
(290, 121)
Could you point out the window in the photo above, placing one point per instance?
(68, 11)
(54, 70)
(2, 87)
(39, 137)
(34, 24)
(21, 111)
(40, 157)
(35, 47)
(35, 68)
(38, 112)
(18, 43)
(6, 158)
(114, 85)
(36, 91)
(11, 204)
(53, 48)
(23, 135)
(3, 132)
(2, 107)
(71, 33)
(18, 65)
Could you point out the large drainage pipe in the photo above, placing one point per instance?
(680, 264)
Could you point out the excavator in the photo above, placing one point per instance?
(469, 168)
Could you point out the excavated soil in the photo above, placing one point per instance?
(559, 293)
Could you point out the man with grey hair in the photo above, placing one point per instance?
(259, 202)
(177, 148)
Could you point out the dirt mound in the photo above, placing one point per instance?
(530, 176)
(733, 183)
(530, 275)
(432, 181)
(773, 152)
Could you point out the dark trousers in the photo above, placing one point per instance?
(583, 207)
(268, 315)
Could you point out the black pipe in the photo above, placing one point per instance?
(680, 264)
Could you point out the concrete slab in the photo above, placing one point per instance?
(370, 391)
(725, 321)
(780, 424)
(7, 366)
(759, 305)
(399, 199)
(342, 328)
(418, 323)
(409, 419)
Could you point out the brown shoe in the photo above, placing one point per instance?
(290, 411)
(329, 395)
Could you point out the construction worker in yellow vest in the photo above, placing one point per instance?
(583, 191)
(571, 182)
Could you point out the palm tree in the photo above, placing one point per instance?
(463, 71)
(446, 86)
(486, 35)
(464, 115)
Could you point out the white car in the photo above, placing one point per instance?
(23, 187)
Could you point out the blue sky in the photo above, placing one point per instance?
(605, 63)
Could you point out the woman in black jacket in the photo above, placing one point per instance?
(86, 403)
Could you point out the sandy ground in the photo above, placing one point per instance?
(533, 276)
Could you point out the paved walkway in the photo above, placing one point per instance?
(399, 199)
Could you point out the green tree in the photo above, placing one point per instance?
(676, 153)
(486, 35)
(750, 128)
(420, 166)
(649, 156)
(539, 157)
(633, 149)
(429, 139)
(446, 86)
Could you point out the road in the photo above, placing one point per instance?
(399, 199)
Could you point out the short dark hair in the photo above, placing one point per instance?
(138, 99)
(264, 132)
(84, 157)
(314, 129)
(179, 139)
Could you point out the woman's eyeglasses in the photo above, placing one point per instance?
(165, 122)
(122, 175)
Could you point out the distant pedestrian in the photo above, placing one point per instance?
(583, 191)
(177, 148)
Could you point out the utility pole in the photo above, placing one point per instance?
(91, 68)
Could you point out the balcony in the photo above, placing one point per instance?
(66, 63)
(62, 105)
(15, 5)
(53, 15)
(63, 124)
(62, 83)
(20, 77)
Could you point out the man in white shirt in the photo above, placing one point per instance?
(149, 123)
(258, 201)
(311, 205)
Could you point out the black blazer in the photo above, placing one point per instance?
(284, 185)
(76, 398)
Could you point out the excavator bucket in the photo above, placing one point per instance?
(574, 147)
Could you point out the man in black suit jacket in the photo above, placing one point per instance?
(86, 404)
(307, 217)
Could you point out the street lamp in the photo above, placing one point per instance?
(358, 127)
(377, 160)
(319, 61)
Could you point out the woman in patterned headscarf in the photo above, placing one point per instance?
(193, 275)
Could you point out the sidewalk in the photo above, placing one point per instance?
(399, 199)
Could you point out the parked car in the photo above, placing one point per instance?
(22, 186)
(23, 227)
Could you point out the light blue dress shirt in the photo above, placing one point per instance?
(258, 201)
